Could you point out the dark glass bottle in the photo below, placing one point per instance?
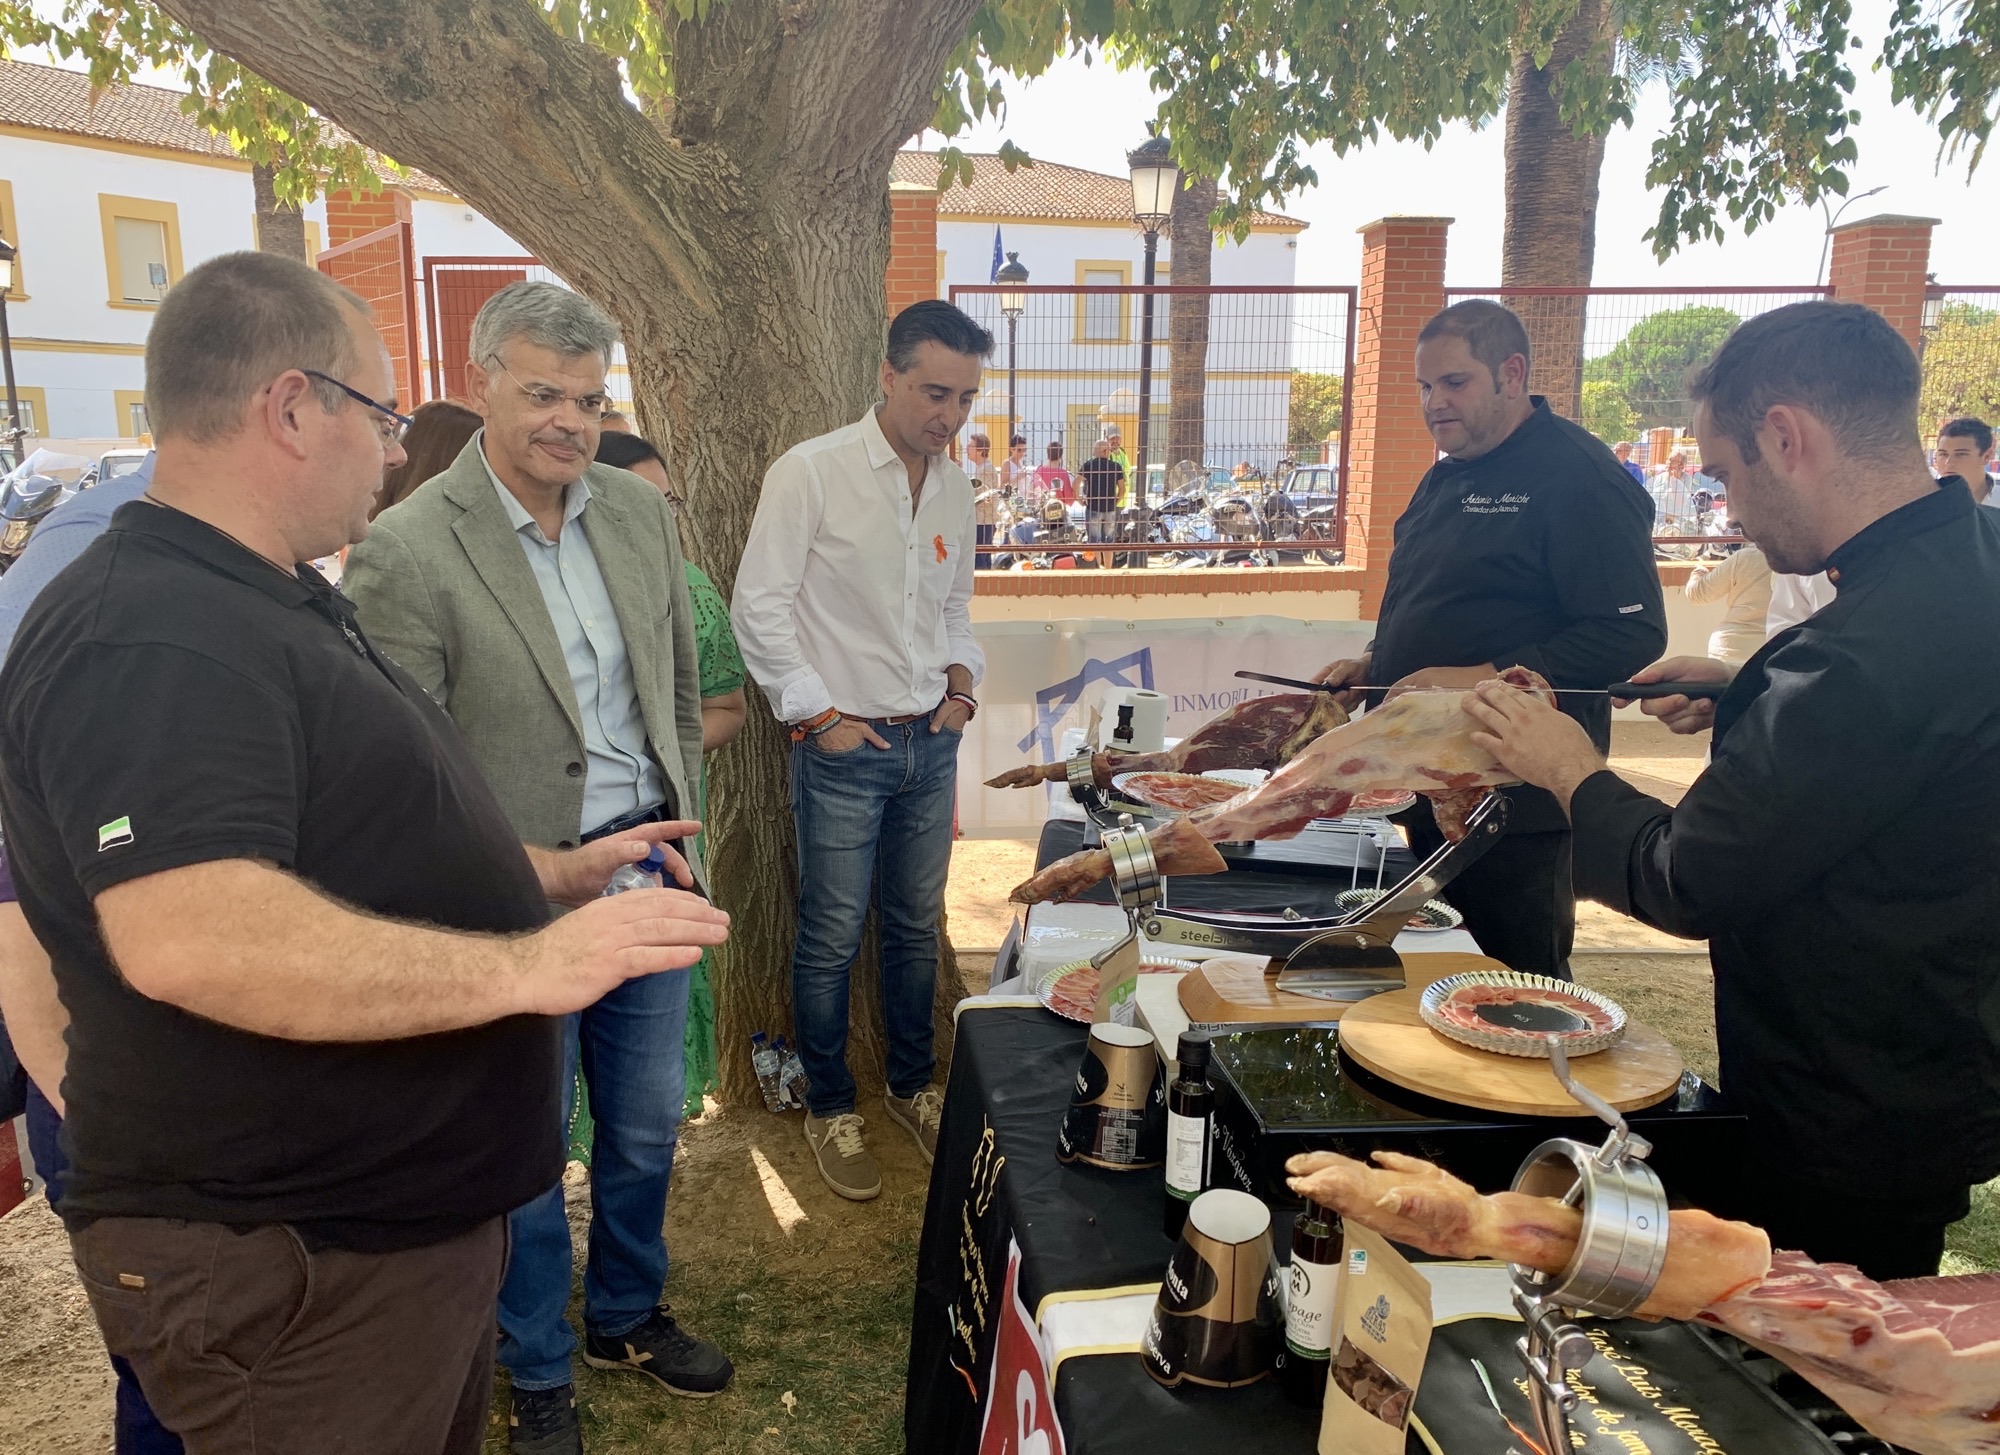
(1313, 1304)
(1190, 1104)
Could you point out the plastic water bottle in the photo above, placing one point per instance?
(649, 873)
(764, 1059)
(792, 1076)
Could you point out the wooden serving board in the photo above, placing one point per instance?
(1385, 1035)
(1241, 990)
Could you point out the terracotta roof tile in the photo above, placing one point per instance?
(1045, 190)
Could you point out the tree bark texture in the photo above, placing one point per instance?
(739, 237)
(1550, 236)
(280, 229)
(1187, 334)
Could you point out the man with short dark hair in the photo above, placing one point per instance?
(1527, 545)
(541, 598)
(1838, 851)
(1965, 449)
(853, 608)
(312, 1055)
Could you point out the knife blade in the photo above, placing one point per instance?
(1635, 691)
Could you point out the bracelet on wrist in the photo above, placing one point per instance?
(971, 703)
(825, 725)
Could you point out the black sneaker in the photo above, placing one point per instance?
(661, 1349)
(543, 1422)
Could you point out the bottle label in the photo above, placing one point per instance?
(1187, 1155)
(1309, 1310)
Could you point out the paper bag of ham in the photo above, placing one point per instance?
(1420, 741)
(1916, 1361)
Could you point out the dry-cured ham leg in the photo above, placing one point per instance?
(1178, 848)
(1419, 1203)
(1916, 1361)
(1259, 732)
(1420, 740)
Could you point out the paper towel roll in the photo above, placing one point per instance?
(1145, 730)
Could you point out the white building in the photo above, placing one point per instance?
(109, 203)
(1077, 352)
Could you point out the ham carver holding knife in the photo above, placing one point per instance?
(1527, 545)
(1839, 853)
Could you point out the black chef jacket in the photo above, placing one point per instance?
(1841, 854)
(1538, 553)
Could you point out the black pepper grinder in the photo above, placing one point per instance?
(1190, 1107)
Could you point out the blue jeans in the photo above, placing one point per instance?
(870, 823)
(135, 1429)
(630, 1043)
(1100, 527)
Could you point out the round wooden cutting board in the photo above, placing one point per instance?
(1385, 1035)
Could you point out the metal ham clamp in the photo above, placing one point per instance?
(1136, 879)
(1619, 1255)
(1343, 958)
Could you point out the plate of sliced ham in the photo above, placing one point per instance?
(1071, 990)
(1499, 1010)
(1174, 792)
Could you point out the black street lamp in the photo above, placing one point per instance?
(8, 253)
(1012, 278)
(1155, 179)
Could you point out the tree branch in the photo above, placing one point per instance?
(417, 79)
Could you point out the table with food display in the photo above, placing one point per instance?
(1219, 1172)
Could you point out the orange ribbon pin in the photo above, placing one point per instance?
(937, 544)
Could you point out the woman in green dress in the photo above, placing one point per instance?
(722, 709)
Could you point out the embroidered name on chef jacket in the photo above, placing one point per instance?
(1508, 504)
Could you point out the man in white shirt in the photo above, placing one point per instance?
(1965, 449)
(853, 608)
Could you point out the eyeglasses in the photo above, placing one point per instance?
(388, 422)
(590, 406)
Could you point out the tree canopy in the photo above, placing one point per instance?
(1762, 95)
(1961, 365)
(1315, 407)
(1643, 380)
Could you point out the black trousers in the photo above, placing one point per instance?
(1517, 899)
(1884, 1237)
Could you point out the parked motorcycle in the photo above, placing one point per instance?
(30, 491)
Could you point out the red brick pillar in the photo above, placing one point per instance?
(913, 261)
(1883, 262)
(1402, 286)
(350, 215)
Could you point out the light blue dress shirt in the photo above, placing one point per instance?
(60, 539)
(619, 772)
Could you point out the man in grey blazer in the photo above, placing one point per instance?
(541, 598)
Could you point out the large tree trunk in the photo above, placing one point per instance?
(1187, 331)
(280, 229)
(1550, 236)
(740, 239)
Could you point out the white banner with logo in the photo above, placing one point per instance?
(1044, 678)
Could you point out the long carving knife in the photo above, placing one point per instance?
(1635, 691)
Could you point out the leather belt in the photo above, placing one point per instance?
(899, 721)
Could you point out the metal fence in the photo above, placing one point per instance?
(1235, 377)
(1961, 355)
(1633, 349)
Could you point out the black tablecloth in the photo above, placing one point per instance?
(996, 1178)
(1304, 873)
